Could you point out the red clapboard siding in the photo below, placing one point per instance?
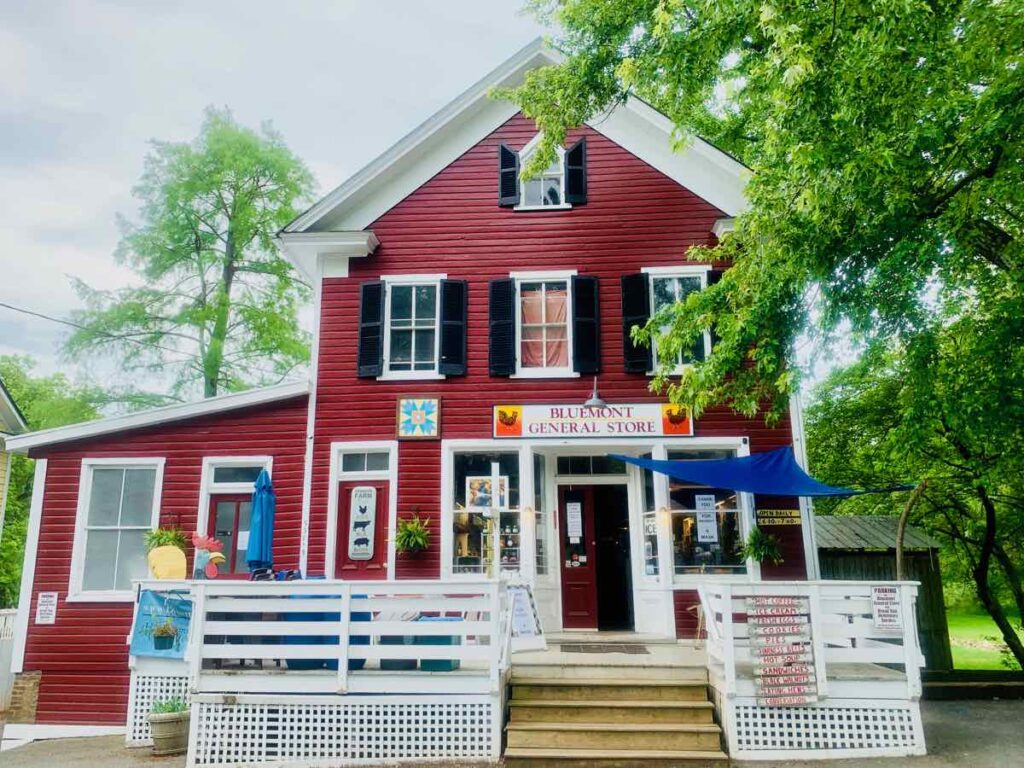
(684, 604)
(84, 656)
(635, 217)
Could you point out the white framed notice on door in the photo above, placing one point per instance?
(362, 522)
(574, 521)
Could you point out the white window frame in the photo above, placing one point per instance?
(689, 270)
(337, 475)
(566, 372)
(76, 593)
(393, 281)
(524, 157)
(209, 488)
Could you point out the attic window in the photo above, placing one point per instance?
(561, 185)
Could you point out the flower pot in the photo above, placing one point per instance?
(166, 562)
(163, 642)
(169, 732)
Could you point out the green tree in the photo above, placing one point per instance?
(885, 140)
(217, 305)
(926, 415)
(46, 401)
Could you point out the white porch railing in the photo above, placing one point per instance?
(429, 661)
(868, 679)
(7, 617)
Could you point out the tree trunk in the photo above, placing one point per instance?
(901, 527)
(213, 361)
(981, 572)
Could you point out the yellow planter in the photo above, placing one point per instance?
(167, 562)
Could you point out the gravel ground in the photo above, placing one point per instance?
(966, 734)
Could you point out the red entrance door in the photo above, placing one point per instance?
(579, 557)
(229, 524)
(362, 531)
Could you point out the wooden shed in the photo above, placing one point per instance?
(864, 548)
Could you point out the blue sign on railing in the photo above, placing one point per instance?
(161, 625)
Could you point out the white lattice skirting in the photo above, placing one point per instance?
(834, 728)
(320, 730)
(142, 692)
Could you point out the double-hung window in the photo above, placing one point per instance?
(544, 326)
(411, 341)
(118, 504)
(668, 289)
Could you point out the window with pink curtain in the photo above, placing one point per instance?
(544, 332)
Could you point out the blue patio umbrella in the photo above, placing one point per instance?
(259, 552)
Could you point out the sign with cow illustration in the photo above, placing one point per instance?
(362, 522)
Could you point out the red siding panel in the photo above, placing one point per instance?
(635, 217)
(83, 656)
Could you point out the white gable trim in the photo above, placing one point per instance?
(11, 420)
(219, 404)
(442, 138)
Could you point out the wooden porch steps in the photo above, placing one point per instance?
(557, 721)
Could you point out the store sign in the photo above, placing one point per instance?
(578, 421)
(778, 516)
(781, 643)
(885, 607)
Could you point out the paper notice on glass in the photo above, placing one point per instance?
(243, 540)
(574, 521)
(707, 526)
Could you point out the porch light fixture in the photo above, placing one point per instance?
(595, 400)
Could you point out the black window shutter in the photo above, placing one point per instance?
(502, 355)
(371, 329)
(636, 310)
(454, 312)
(576, 173)
(508, 176)
(586, 326)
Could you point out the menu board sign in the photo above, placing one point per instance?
(780, 638)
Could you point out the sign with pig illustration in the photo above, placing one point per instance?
(362, 522)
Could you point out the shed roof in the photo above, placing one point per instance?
(851, 532)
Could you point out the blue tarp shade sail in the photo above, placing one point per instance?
(259, 552)
(774, 473)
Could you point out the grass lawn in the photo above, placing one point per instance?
(975, 639)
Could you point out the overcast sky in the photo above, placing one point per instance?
(85, 85)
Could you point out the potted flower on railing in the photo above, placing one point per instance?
(165, 556)
(762, 547)
(168, 725)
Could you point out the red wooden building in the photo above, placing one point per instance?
(464, 317)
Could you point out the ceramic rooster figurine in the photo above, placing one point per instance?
(208, 556)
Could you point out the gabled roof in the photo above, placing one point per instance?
(636, 126)
(155, 416)
(12, 420)
(862, 532)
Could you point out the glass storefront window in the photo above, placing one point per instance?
(706, 529)
(485, 519)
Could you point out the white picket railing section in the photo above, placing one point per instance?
(335, 672)
(7, 618)
(868, 679)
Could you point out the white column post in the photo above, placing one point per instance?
(28, 570)
(663, 518)
(527, 517)
(344, 626)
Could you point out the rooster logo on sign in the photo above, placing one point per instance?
(508, 419)
(677, 416)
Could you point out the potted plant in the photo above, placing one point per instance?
(412, 535)
(165, 549)
(762, 547)
(168, 725)
(164, 635)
